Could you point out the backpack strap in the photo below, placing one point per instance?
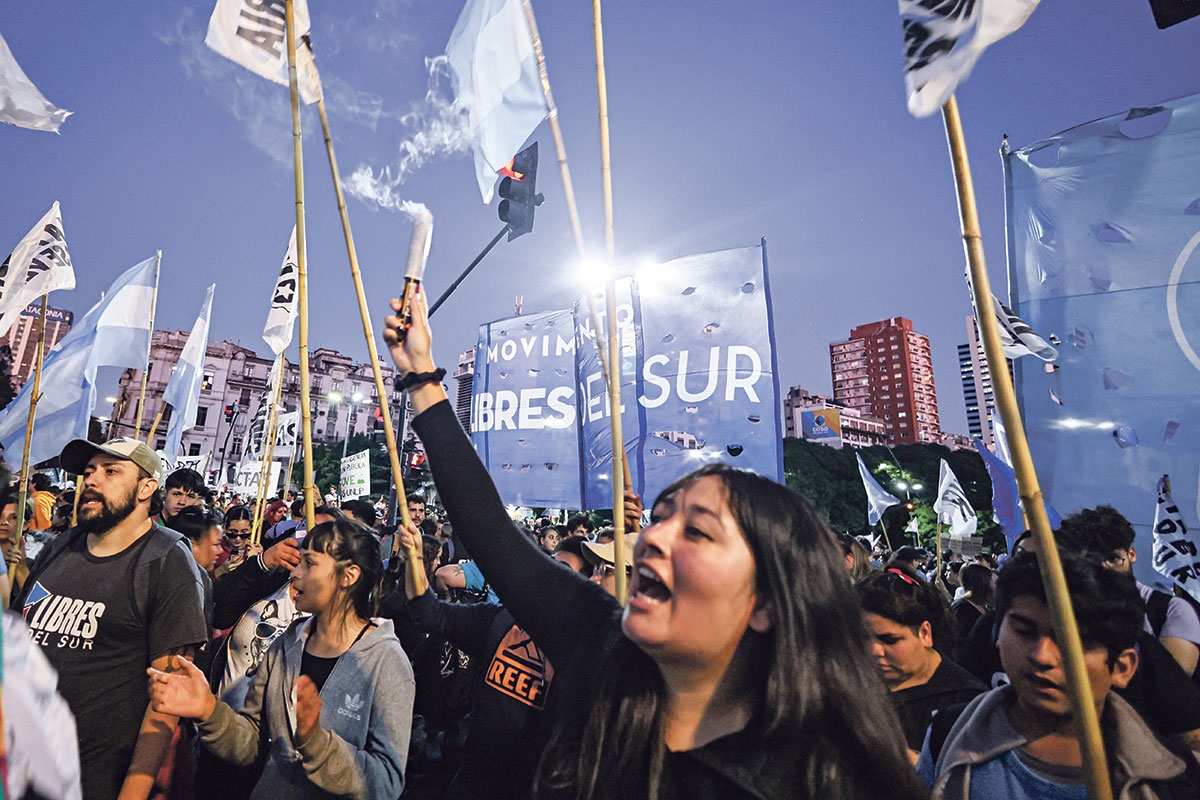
(1156, 611)
(147, 571)
(48, 553)
(939, 728)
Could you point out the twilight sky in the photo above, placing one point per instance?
(729, 122)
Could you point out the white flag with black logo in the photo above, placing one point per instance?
(1176, 553)
(944, 38)
(38, 265)
(253, 33)
(282, 316)
(1018, 338)
(952, 507)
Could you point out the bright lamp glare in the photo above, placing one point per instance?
(594, 271)
(357, 397)
(334, 397)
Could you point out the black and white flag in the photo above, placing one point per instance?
(38, 265)
(952, 507)
(253, 33)
(1018, 338)
(281, 318)
(944, 38)
(1176, 554)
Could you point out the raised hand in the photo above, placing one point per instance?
(181, 690)
(308, 709)
(411, 349)
(284, 553)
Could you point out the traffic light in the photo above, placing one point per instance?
(909, 505)
(377, 431)
(519, 190)
(230, 411)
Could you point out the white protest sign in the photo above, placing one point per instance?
(356, 475)
(245, 481)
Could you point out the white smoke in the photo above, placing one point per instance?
(438, 130)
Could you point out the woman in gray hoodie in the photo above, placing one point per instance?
(331, 707)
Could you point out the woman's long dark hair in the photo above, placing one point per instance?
(815, 689)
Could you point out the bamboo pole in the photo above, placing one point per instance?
(1058, 597)
(389, 433)
(266, 456)
(137, 424)
(614, 378)
(34, 397)
(555, 129)
(301, 265)
(154, 425)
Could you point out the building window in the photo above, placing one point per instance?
(245, 398)
(207, 384)
(161, 444)
(201, 418)
(237, 446)
(194, 449)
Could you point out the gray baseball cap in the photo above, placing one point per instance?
(78, 452)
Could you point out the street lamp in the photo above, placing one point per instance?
(335, 397)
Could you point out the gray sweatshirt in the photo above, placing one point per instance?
(361, 746)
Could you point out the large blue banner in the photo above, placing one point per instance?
(523, 415)
(1103, 226)
(698, 384)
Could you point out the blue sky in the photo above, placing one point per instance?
(729, 122)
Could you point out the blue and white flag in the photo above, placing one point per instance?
(1176, 550)
(1104, 257)
(38, 265)
(878, 499)
(1006, 496)
(21, 103)
(495, 76)
(944, 38)
(114, 333)
(187, 378)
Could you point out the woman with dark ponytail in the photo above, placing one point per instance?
(332, 701)
(738, 669)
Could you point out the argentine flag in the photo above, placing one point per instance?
(114, 333)
(183, 389)
(495, 77)
(879, 499)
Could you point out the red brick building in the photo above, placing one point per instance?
(885, 369)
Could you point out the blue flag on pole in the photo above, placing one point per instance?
(187, 378)
(1104, 255)
(879, 499)
(114, 333)
(495, 76)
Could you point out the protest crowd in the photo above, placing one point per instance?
(760, 655)
(166, 639)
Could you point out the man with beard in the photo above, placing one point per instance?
(106, 600)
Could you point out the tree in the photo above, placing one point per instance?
(327, 465)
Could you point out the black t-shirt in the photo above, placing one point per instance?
(83, 612)
(915, 706)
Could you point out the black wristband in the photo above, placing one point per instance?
(405, 382)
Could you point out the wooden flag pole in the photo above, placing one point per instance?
(614, 364)
(34, 397)
(265, 457)
(389, 432)
(137, 423)
(1058, 598)
(301, 265)
(555, 129)
(154, 425)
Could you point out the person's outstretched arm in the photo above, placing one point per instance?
(516, 568)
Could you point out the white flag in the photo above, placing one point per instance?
(952, 507)
(878, 498)
(944, 38)
(282, 316)
(256, 446)
(187, 379)
(495, 75)
(912, 525)
(285, 433)
(38, 265)
(253, 33)
(1175, 549)
(1018, 338)
(21, 103)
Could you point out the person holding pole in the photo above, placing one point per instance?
(1020, 741)
(721, 678)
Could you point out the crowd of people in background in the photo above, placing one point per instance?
(759, 655)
